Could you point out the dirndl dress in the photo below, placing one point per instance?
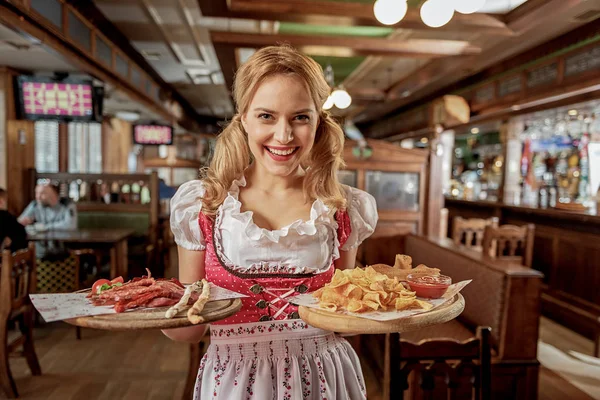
(265, 351)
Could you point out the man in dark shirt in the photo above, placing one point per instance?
(12, 233)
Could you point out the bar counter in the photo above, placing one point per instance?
(566, 250)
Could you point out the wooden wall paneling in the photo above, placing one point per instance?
(544, 250)
(361, 179)
(433, 191)
(116, 145)
(63, 147)
(8, 112)
(388, 157)
(21, 157)
(578, 261)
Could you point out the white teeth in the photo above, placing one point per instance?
(281, 152)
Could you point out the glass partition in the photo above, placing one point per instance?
(394, 191)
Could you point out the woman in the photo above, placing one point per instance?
(270, 220)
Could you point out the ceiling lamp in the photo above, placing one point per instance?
(390, 12)
(129, 116)
(328, 103)
(341, 99)
(436, 13)
(468, 6)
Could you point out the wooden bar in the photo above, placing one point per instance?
(566, 250)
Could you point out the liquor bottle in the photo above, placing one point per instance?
(115, 193)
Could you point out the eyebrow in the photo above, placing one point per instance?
(304, 110)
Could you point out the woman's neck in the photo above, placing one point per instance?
(268, 183)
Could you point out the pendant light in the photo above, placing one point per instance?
(437, 13)
(468, 6)
(341, 98)
(328, 103)
(390, 12)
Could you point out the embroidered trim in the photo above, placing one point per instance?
(249, 329)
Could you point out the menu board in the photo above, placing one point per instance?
(56, 100)
(543, 75)
(509, 86)
(583, 62)
(152, 134)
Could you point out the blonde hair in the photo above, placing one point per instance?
(232, 154)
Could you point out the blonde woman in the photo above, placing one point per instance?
(270, 220)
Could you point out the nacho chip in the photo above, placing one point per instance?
(362, 290)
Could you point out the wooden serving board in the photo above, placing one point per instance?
(341, 323)
(154, 318)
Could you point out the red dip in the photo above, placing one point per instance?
(429, 287)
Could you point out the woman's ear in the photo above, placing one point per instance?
(244, 120)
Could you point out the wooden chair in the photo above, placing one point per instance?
(469, 232)
(510, 243)
(436, 362)
(63, 276)
(18, 279)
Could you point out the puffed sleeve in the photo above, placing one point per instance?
(185, 209)
(362, 211)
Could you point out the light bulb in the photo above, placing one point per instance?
(436, 13)
(390, 12)
(341, 99)
(468, 6)
(328, 103)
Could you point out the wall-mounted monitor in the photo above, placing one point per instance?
(44, 98)
(152, 134)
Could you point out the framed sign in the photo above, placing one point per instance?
(152, 134)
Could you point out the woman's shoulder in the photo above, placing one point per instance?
(362, 212)
(356, 198)
(190, 189)
(185, 209)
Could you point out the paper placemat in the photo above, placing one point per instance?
(61, 306)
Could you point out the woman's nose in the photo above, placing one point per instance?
(284, 132)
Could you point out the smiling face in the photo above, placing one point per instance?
(281, 123)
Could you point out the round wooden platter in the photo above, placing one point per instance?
(341, 323)
(154, 318)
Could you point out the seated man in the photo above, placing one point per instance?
(12, 234)
(47, 212)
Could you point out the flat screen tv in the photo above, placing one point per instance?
(152, 134)
(63, 100)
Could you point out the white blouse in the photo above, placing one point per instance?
(300, 247)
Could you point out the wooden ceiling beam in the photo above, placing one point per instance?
(416, 48)
(345, 14)
(523, 17)
(362, 14)
(433, 76)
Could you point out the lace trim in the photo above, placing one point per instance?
(233, 206)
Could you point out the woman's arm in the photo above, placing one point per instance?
(347, 259)
(191, 269)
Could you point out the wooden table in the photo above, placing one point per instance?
(115, 239)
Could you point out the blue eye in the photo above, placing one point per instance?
(304, 118)
(265, 116)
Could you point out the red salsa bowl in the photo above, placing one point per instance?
(429, 287)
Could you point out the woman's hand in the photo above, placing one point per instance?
(191, 269)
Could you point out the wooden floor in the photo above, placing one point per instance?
(146, 365)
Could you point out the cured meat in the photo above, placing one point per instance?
(161, 302)
(142, 292)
